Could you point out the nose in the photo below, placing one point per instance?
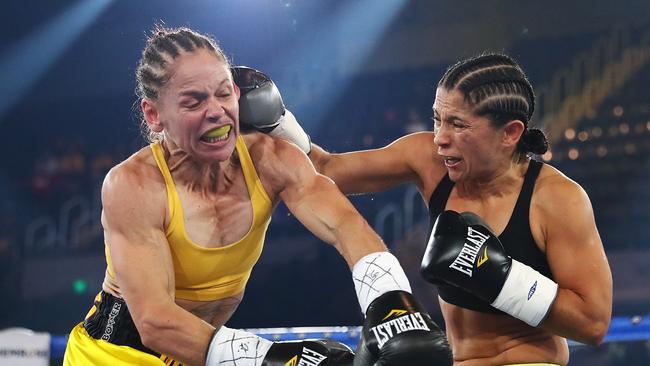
(215, 109)
(441, 136)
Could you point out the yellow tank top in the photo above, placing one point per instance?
(207, 274)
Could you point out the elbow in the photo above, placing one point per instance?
(151, 331)
(595, 333)
(326, 166)
(599, 333)
(149, 334)
(318, 159)
(599, 326)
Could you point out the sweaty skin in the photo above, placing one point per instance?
(478, 158)
(197, 113)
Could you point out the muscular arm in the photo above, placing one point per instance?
(133, 219)
(403, 161)
(318, 204)
(583, 306)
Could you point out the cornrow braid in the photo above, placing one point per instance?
(162, 48)
(166, 45)
(198, 40)
(496, 86)
(186, 43)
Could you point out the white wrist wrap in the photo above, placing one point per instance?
(375, 274)
(527, 294)
(236, 347)
(290, 130)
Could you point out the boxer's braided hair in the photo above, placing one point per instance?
(163, 46)
(496, 87)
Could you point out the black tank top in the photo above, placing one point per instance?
(516, 238)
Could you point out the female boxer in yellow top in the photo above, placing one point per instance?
(477, 159)
(184, 222)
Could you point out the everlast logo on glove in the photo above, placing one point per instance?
(397, 331)
(309, 357)
(464, 262)
(385, 331)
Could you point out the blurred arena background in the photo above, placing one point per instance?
(357, 74)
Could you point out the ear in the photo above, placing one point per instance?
(236, 89)
(150, 113)
(512, 132)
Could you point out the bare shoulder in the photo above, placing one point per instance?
(276, 161)
(423, 137)
(421, 152)
(559, 201)
(134, 184)
(137, 171)
(420, 149)
(554, 188)
(560, 210)
(420, 142)
(259, 145)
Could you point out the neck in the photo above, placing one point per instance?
(499, 182)
(199, 176)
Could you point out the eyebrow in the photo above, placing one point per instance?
(196, 93)
(193, 93)
(451, 118)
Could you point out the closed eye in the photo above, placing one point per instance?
(436, 123)
(458, 125)
(192, 99)
(226, 94)
(191, 104)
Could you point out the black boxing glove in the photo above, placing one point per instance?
(464, 251)
(309, 352)
(261, 108)
(397, 331)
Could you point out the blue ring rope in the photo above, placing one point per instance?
(621, 329)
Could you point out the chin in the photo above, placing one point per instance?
(454, 177)
(455, 174)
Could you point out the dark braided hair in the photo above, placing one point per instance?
(496, 87)
(163, 46)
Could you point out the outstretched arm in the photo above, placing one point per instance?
(380, 282)
(316, 201)
(407, 160)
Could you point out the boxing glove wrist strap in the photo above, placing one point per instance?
(289, 129)
(375, 274)
(234, 346)
(527, 294)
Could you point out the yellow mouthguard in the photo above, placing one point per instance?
(218, 132)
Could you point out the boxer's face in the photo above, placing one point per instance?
(198, 107)
(469, 144)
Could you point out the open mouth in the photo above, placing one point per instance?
(451, 161)
(218, 134)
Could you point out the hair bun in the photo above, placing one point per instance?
(535, 141)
